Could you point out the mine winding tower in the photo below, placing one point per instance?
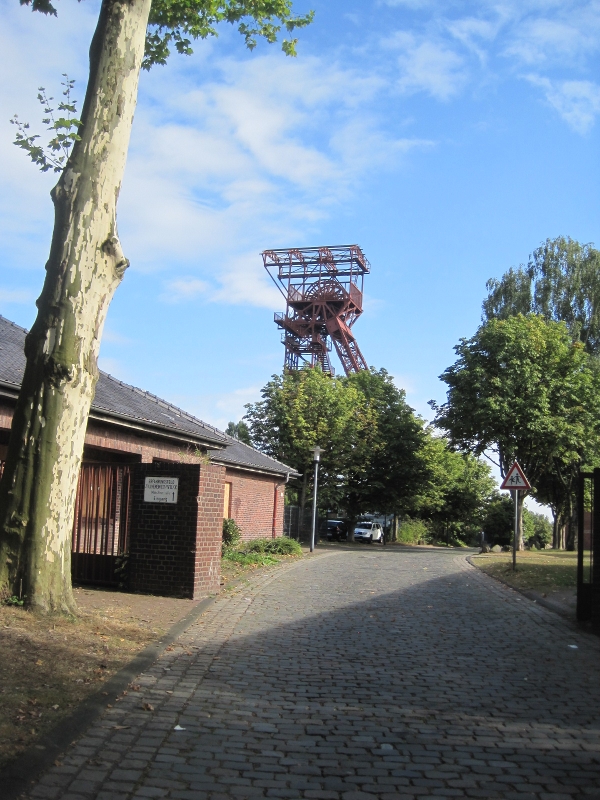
(323, 290)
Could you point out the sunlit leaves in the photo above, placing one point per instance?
(561, 282)
(54, 155)
(522, 388)
(177, 23)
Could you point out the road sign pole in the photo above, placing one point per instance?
(515, 494)
(516, 482)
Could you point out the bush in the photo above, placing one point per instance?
(231, 533)
(281, 546)
(249, 559)
(414, 531)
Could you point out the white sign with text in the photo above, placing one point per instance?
(161, 490)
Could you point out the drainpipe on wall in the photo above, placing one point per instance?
(275, 495)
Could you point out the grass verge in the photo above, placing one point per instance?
(250, 556)
(541, 571)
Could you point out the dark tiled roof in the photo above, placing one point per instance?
(113, 398)
(238, 454)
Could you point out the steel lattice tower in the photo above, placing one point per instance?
(323, 290)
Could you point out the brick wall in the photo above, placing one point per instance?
(252, 499)
(175, 549)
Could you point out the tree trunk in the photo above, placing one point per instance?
(555, 532)
(85, 266)
(394, 536)
(571, 525)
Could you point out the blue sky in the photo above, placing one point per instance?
(447, 139)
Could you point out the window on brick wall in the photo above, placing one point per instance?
(227, 501)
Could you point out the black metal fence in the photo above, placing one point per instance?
(101, 523)
(298, 526)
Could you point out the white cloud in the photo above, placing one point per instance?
(543, 40)
(9, 296)
(577, 102)
(255, 158)
(427, 66)
(185, 289)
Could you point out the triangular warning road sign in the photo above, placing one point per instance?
(515, 479)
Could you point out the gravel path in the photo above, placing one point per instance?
(372, 673)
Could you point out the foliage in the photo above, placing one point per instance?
(522, 389)
(231, 533)
(282, 546)
(499, 521)
(64, 129)
(302, 409)
(261, 552)
(537, 530)
(177, 24)
(388, 467)
(14, 601)
(414, 531)
(561, 282)
(372, 440)
(457, 493)
(122, 570)
(249, 559)
(239, 431)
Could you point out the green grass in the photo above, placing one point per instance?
(261, 552)
(543, 570)
(249, 559)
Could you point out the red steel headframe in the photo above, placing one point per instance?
(323, 290)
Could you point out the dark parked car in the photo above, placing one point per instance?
(336, 530)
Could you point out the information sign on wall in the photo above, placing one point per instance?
(161, 490)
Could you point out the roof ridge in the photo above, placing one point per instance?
(13, 324)
(162, 402)
(256, 450)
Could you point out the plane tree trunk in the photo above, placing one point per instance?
(85, 266)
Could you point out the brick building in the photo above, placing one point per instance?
(165, 545)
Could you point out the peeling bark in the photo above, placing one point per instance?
(85, 266)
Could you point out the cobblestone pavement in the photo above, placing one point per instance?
(381, 673)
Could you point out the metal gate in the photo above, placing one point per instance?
(588, 547)
(101, 523)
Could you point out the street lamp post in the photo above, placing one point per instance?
(316, 457)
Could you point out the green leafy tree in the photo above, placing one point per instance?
(537, 530)
(561, 282)
(85, 266)
(457, 493)
(522, 389)
(499, 521)
(372, 439)
(239, 430)
(388, 469)
(303, 409)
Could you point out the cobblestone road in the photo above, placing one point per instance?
(380, 673)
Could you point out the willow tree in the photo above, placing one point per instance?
(85, 266)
